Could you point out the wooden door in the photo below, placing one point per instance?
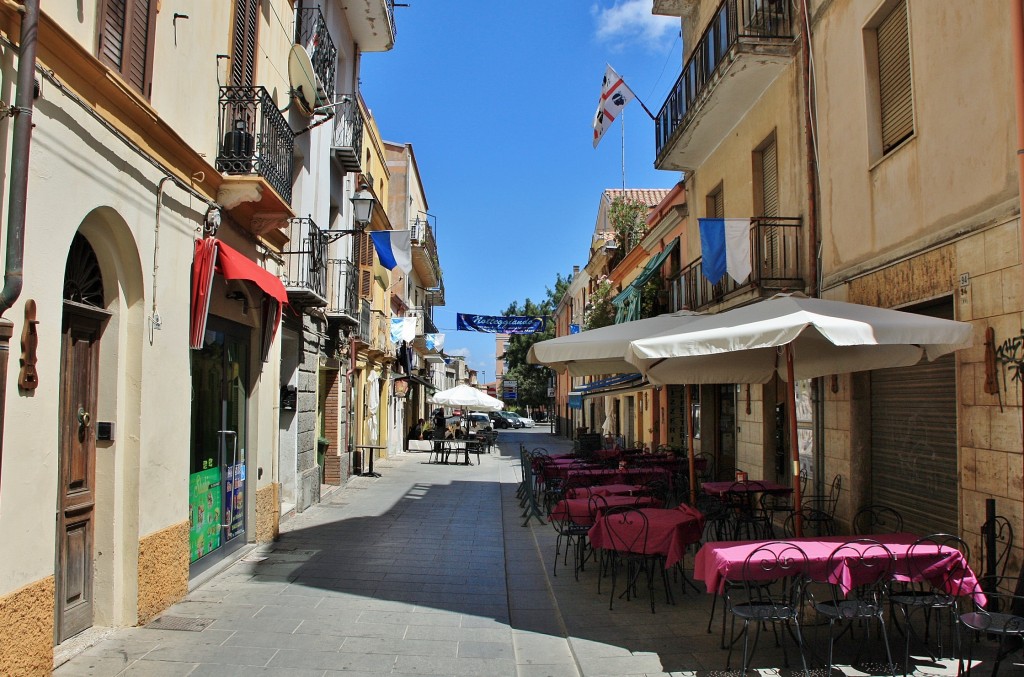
(77, 491)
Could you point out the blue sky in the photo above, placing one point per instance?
(498, 100)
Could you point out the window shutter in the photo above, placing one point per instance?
(136, 68)
(894, 86)
(125, 42)
(718, 202)
(364, 254)
(770, 180)
(243, 46)
(112, 33)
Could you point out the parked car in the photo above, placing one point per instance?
(499, 421)
(527, 421)
(477, 421)
(512, 419)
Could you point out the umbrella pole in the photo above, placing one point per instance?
(793, 441)
(689, 445)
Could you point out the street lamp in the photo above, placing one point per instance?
(363, 203)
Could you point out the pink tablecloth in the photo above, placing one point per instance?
(723, 560)
(616, 476)
(669, 531)
(722, 488)
(583, 511)
(602, 490)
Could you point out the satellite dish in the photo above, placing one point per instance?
(303, 80)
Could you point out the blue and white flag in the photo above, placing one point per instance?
(394, 248)
(434, 341)
(725, 248)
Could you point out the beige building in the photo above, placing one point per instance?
(151, 416)
(897, 188)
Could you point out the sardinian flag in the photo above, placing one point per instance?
(615, 94)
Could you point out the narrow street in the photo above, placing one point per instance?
(426, 570)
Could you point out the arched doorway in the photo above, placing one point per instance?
(84, 317)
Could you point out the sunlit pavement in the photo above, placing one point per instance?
(428, 570)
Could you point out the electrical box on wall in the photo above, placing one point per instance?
(289, 398)
(105, 431)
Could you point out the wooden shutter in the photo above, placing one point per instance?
(717, 205)
(243, 43)
(364, 255)
(770, 180)
(126, 32)
(894, 86)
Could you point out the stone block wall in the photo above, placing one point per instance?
(27, 618)
(163, 570)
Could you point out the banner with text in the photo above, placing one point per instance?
(499, 324)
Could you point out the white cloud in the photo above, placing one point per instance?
(459, 352)
(631, 22)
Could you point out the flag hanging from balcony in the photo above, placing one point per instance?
(394, 248)
(434, 341)
(725, 248)
(615, 94)
(403, 329)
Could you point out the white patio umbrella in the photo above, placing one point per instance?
(602, 350)
(468, 397)
(798, 338)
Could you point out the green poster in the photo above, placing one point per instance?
(205, 505)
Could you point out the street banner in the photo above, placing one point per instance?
(499, 324)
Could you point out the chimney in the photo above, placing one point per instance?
(575, 270)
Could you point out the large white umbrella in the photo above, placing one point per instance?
(602, 350)
(798, 338)
(467, 396)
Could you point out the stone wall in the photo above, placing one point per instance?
(307, 469)
(163, 570)
(268, 515)
(27, 618)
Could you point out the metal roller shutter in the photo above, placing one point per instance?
(914, 466)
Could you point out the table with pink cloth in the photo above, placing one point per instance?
(603, 490)
(558, 468)
(669, 531)
(719, 561)
(583, 511)
(617, 476)
(723, 488)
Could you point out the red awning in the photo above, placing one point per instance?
(210, 255)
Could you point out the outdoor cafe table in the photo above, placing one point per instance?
(719, 561)
(603, 490)
(669, 532)
(583, 512)
(617, 476)
(731, 487)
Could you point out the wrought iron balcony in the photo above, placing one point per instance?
(255, 138)
(347, 143)
(775, 266)
(343, 291)
(305, 276)
(424, 253)
(365, 326)
(311, 32)
(741, 52)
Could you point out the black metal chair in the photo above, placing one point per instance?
(869, 565)
(995, 560)
(936, 583)
(877, 519)
(820, 510)
(571, 528)
(749, 599)
(748, 519)
(628, 529)
(1000, 618)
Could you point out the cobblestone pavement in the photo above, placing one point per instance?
(426, 570)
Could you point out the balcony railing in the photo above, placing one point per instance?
(255, 138)
(365, 327)
(734, 20)
(348, 134)
(775, 266)
(311, 32)
(343, 291)
(305, 275)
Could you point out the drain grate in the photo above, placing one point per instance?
(180, 623)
